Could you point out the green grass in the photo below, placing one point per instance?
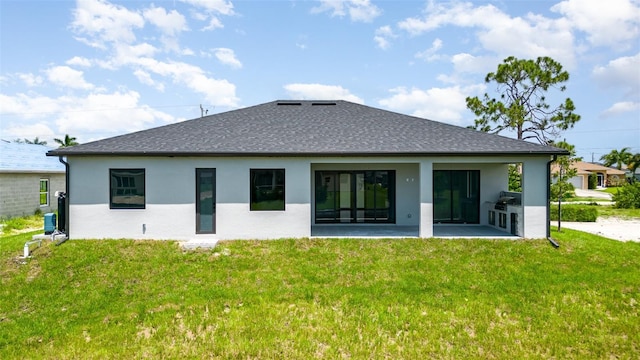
(306, 299)
(18, 224)
(583, 199)
(611, 190)
(609, 211)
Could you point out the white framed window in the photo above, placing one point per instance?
(44, 192)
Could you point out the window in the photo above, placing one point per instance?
(44, 192)
(127, 189)
(267, 189)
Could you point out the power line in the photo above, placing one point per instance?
(196, 106)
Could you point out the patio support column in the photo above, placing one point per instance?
(426, 199)
(534, 197)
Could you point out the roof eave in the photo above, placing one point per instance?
(305, 154)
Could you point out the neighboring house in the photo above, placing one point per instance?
(606, 176)
(28, 179)
(304, 168)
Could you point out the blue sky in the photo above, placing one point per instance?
(98, 68)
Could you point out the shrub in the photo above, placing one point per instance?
(593, 181)
(580, 213)
(567, 188)
(628, 196)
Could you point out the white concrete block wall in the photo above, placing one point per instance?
(20, 193)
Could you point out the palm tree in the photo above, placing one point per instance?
(633, 163)
(67, 141)
(616, 157)
(35, 141)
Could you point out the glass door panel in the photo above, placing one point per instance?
(205, 201)
(456, 196)
(441, 196)
(355, 196)
(344, 200)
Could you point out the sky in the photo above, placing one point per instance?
(96, 68)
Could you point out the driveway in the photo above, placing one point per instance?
(592, 194)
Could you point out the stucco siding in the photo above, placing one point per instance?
(20, 193)
(534, 198)
(170, 194)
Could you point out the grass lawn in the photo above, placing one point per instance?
(306, 299)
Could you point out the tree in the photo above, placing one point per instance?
(522, 106)
(565, 171)
(616, 157)
(66, 142)
(633, 163)
(35, 141)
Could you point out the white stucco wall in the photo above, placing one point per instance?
(170, 200)
(534, 197)
(170, 194)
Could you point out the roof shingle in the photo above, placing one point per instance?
(299, 128)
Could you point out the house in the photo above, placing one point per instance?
(305, 168)
(28, 179)
(606, 176)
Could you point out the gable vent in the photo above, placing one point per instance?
(325, 103)
(289, 103)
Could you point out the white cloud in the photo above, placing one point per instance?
(170, 23)
(41, 130)
(145, 78)
(25, 106)
(214, 23)
(214, 6)
(79, 61)
(358, 10)
(383, 35)
(214, 91)
(607, 23)
(68, 77)
(30, 79)
(207, 9)
(118, 112)
(620, 108)
(431, 54)
(105, 22)
(227, 57)
(321, 92)
(525, 37)
(440, 104)
(622, 73)
(100, 115)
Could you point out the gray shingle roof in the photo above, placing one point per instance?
(307, 128)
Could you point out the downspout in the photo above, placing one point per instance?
(66, 203)
(552, 241)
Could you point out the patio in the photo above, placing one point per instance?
(393, 231)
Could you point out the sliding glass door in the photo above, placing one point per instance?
(456, 196)
(355, 196)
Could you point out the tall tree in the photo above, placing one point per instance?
(66, 142)
(522, 105)
(616, 157)
(35, 141)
